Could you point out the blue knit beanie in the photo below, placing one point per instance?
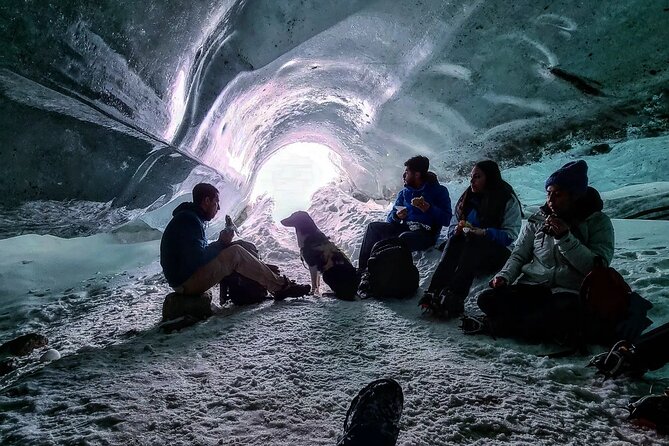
(572, 177)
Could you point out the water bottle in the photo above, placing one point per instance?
(230, 226)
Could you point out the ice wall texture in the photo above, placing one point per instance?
(121, 100)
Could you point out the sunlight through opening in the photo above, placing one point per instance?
(293, 174)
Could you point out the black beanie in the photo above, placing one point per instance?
(572, 177)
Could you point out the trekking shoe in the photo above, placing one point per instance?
(426, 303)
(475, 325)
(291, 289)
(446, 305)
(620, 360)
(374, 415)
(651, 411)
(364, 288)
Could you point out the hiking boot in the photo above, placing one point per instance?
(620, 360)
(651, 411)
(471, 325)
(374, 415)
(291, 289)
(426, 303)
(359, 272)
(446, 305)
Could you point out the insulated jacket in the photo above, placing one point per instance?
(435, 194)
(562, 264)
(506, 233)
(183, 247)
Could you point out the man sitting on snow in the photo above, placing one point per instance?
(421, 209)
(191, 266)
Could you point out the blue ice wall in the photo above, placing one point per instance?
(119, 101)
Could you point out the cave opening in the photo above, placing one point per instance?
(292, 174)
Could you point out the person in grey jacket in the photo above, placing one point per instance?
(535, 295)
(486, 223)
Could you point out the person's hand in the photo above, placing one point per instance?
(402, 214)
(479, 232)
(420, 203)
(557, 226)
(498, 282)
(458, 228)
(225, 236)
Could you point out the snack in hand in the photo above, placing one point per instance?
(417, 201)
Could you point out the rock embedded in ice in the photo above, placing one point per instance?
(24, 345)
(7, 365)
(50, 355)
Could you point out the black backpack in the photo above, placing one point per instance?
(239, 289)
(390, 271)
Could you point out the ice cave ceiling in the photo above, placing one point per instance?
(129, 101)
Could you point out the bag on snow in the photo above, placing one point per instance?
(390, 271)
(374, 415)
(605, 293)
(609, 303)
(239, 289)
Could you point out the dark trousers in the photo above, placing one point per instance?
(377, 231)
(531, 312)
(463, 259)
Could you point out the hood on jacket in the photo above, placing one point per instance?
(431, 178)
(588, 204)
(189, 206)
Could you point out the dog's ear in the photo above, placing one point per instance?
(299, 220)
(296, 219)
(307, 223)
(289, 221)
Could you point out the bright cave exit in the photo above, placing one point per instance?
(292, 175)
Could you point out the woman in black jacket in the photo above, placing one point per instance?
(486, 222)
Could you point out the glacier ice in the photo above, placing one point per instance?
(98, 99)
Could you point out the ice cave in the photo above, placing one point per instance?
(111, 111)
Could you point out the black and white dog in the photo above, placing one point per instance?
(323, 257)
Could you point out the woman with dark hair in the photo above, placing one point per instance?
(486, 222)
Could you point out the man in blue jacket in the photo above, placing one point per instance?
(192, 266)
(421, 209)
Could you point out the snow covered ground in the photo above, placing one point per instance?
(284, 373)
